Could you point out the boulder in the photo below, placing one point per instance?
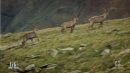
(83, 45)
(76, 71)
(123, 52)
(115, 44)
(49, 66)
(121, 33)
(48, 39)
(4, 47)
(33, 56)
(10, 46)
(7, 35)
(80, 48)
(106, 51)
(111, 30)
(77, 56)
(75, 31)
(69, 48)
(20, 70)
(53, 52)
(45, 66)
(85, 72)
(117, 68)
(30, 67)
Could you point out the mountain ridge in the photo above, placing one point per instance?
(19, 15)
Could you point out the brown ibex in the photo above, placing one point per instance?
(30, 35)
(98, 19)
(70, 24)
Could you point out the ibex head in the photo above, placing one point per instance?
(76, 17)
(35, 28)
(106, 11)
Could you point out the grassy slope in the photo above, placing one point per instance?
(90, 60)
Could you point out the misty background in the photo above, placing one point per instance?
(20, 15)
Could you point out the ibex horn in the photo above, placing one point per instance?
(74, 15)
(34, 26)
(104, 9)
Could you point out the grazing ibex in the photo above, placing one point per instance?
(30, 35)
(98, 19)
(70, 24)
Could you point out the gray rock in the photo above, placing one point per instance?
(111, 30)
(63, 52)
(69, 48)
(96, 50)
(80, 48)
(83, 45)
(12, 45)
(33, 56)
(115, 44)
(4, 47)
(45, 66)
(17, 43)
(121, 33)
(8, 54)
(48, 39)
(49, 66)
(30, 67)
(125, 45)
(76, 71)
(117, 68)
(53, 52)
(29, 41)
(75, 31)
(77, 56)
(85, 72)
(7, 35)
(123, 52)
(114, 68)
(106, 51)
(20, 70)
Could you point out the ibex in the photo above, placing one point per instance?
(70, 24)
(30, 35)
(98, 19)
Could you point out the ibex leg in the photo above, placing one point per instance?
(62, 30)
(101, 24)
(23, 43)
(72, 28)
(32, 41)
(91, 25)
(37, 38)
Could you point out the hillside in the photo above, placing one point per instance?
(19, 15)
(84, 56)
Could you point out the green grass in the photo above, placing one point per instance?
(89, 61)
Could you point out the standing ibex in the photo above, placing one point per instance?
(98, 19)
(30, 35)
(70, 24)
